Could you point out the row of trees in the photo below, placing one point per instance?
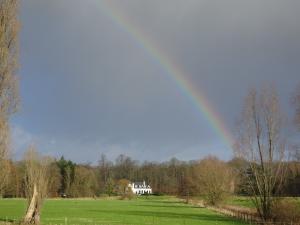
(68, 179)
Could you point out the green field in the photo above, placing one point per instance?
(240, 201)
(140, 211)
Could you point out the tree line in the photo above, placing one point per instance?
(66, 178)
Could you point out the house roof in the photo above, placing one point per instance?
(140, 184)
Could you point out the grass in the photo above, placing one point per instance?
(246, 201)
(140, 211)
(240, 201)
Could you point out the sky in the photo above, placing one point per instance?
(89, 86)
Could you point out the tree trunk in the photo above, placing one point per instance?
(33, 215)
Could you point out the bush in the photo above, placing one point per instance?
(215, 180)
(286, 211)
(215, 198)
(128, 195)
(158, 193)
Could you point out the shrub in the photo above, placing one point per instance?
(286, 211)
(158, 193)
(215, 180)
(128, 195)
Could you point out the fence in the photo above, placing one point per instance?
(247, 216)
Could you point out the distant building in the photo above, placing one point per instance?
(140, 188)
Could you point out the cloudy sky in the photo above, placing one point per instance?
(89, 87)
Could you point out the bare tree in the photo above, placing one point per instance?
(296, 103)
(4, 155)
(214, 179)
(54, 180)
(36, 183)
(9, 28)
(85, 182)
(186, 187)
(123, 189)
(261, 144)
(104, 172)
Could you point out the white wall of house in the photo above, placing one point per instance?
(140, 188)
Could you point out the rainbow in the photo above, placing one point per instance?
(173, 71)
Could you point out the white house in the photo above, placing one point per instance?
(140, 188)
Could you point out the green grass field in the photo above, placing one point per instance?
(240, 201)
(140, 211)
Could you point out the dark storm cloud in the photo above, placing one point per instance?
(88, 87)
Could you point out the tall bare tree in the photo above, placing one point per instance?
(4, 155)
(104, 172)
(296, 102)
(9, 27)
(36, 183)
(261, 143)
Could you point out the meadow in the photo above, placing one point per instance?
(139, 211)
(240, 201)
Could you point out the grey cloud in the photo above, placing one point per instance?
(87, 85)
